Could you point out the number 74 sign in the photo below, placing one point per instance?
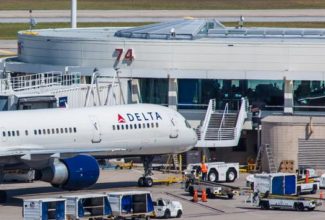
(128, 56)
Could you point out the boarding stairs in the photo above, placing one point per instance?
(221, 129)
(266, 151)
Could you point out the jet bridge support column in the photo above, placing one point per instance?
(135, 90)
(288, 96)
(172, 93)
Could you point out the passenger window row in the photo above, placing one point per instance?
(135, 126)
(40, 132)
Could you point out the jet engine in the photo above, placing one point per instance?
(73, 173)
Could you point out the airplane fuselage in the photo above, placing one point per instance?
(124, 130)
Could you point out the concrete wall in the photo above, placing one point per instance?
(282, 134)
(229, 155)
(221, 58)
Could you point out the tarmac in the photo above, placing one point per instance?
(125, 180)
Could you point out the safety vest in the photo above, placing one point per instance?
(204, 168)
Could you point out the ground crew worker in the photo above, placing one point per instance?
(204, 171)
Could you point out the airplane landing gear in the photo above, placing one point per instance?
(146, 180)
(3, 194)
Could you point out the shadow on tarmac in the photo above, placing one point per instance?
(15, 195)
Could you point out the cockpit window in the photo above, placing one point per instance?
(187, 124)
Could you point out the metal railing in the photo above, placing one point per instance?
(38, 81)
(210, 110)
(225, 111)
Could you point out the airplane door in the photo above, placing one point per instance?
(174, 128)
(3, 137)
(95, 127)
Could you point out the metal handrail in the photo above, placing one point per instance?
(38, 81)
(225, 111)
(210, 110)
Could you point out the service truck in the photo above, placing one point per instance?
(164, 208)
(217, 171)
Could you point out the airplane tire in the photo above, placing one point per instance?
(148, 182)
(141, 182)
(3, 196)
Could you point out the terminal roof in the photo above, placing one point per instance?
(189, 29)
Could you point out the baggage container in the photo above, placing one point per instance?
(131, 204)
(88, 206)
(276, 183)
(44, 209)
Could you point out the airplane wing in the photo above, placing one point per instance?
(23, 150)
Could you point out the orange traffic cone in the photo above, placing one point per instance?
(307, 177)
(204, 196)
(321, 195)
(195, 196)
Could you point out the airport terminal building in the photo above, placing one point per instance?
(185, 63)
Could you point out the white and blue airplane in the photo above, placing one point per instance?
(62, 144)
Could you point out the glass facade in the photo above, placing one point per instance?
(309, 95)
(154, 91)
(196, 93)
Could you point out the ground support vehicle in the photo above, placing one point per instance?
(217, 171)
(298, 203)
(310, 187)
(47, 208)
(212, 189)
(88, 206)
(131, 204)
(276, 183)
(165, 208)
